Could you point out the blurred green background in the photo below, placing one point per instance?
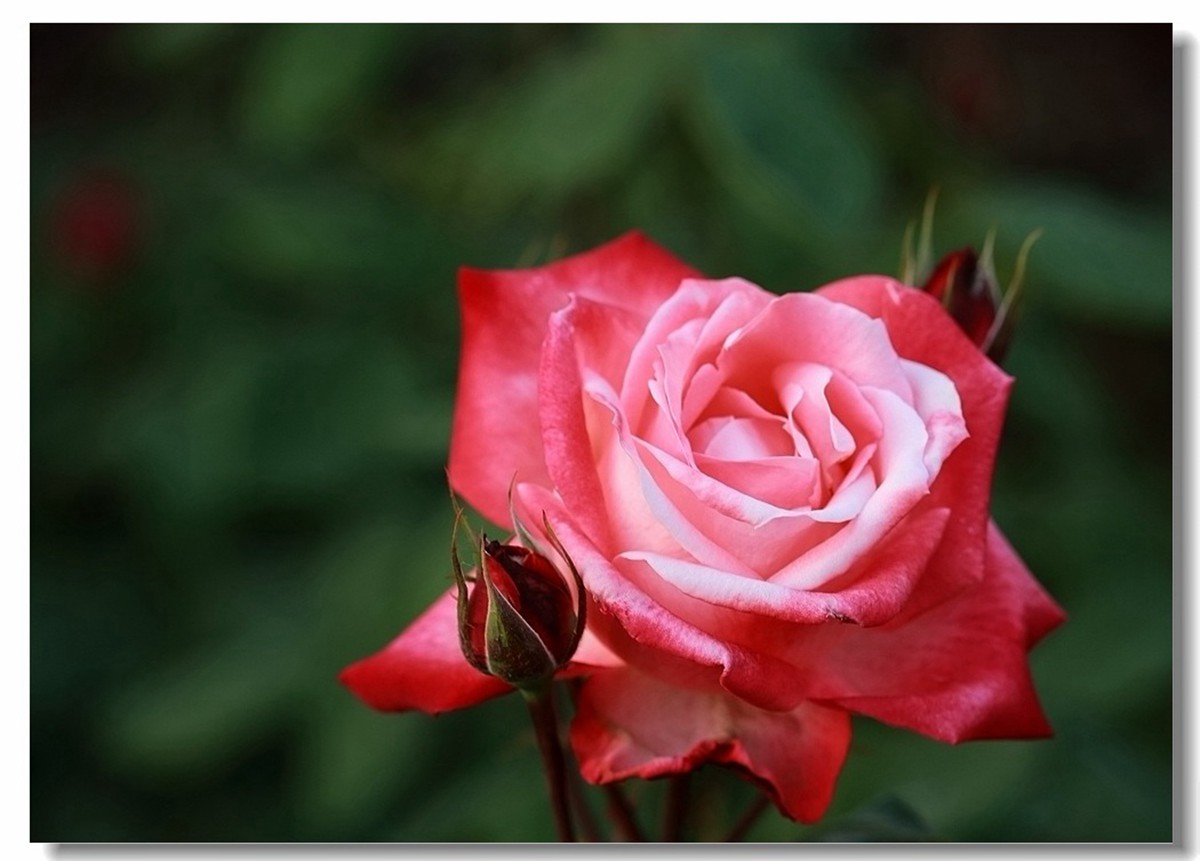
(244, 340)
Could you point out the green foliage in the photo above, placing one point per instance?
(888, 820)
(239, 430)
(308, 84)
(778, 135)
(1102, 260)
(591, 104)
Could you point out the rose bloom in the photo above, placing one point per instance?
(778, 506)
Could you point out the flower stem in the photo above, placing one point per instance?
(545, 725)
(676, 809)
(743, 825)
(625, 827)
(587, 822)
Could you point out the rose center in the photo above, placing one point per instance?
(742, 438)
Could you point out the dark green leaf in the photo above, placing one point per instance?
(779, 133)
(309, 82)
(887, 820)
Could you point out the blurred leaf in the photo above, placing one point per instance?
(887, 820)
(779, 133)
(173, 44)
(565, 123)
(350, 765)
(1098, 259)
(1069, 460)
(1094, 782)
(373, 581)
(285, 414)
(309, 81)
(194, 715)
(500, 796)
(328, 229)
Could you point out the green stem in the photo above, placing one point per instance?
(625, 826)
(545, 725)
(743, 825)
(587, 822)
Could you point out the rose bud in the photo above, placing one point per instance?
(966, 286)
(518, 621)
(967, 290)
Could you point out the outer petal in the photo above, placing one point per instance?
(630, 725)
(505, 314)
(423, 668)
(958, 671)
(922, 331)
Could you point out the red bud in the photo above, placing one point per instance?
(968, 291)
(965, 284)
(518, 619)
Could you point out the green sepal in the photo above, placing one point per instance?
(515, 652)
(580, 594)
(463, 598)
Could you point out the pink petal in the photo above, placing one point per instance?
(904, 481)
(731, 438)
(788, 483)
(874, 596)
(570, 433)
(639, 629)
(923, 332)
(808, 328)
(505, 315)
(937, 402)
(631, 725)
(423, 668)
(718, 307)
(958, 671)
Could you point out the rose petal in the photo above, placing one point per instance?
(871, 597)
(733, 438)
(630, 725)
(937, 402)
(923, 332)
(724, 402)
(580, 328)
(504, 319)
(649, 632)
(808, 328)
(423, 668)
(788, 483)
(756, 537)
(905, 481)
(958, 671)
(718, 307)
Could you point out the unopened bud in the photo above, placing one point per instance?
(967, 290)
(966, 284)
(517, 617)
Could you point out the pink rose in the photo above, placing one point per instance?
(778, 506)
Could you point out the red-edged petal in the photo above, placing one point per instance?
(505, 315)
(423, 668)
(759, 610)
(958, 671)
(642, 632)
(921, 330)
(630, 725)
